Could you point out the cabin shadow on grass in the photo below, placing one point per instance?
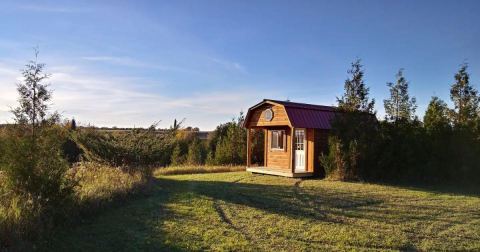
(240, 211)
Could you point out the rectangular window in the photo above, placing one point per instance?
(277, 140)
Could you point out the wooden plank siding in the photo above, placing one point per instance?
(257, 116)
(278, 158)
(265, 157)
(310, 138)
(249, 147)
(320, 146)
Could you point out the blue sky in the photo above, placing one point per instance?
(131, 63)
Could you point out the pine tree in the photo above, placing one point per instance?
(356, 94)
(210, 159)
(73, 125)
(34, 96)
(177, 157)
(400, 106)
(465, 98)
(32, 145)
(352, 138)
(399, 133)
(440, 163)
(465, 141)
(436, 115)
(194, 156)
(231, 149)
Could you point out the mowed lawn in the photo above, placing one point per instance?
(241, 211)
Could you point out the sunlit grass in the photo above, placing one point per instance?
(241, 211)
(188, 169)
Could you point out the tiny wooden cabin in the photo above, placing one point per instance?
(296, 135)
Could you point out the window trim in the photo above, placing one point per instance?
(271, 140)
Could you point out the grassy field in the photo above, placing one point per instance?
(242, 211)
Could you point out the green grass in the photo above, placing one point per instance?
(242, 211)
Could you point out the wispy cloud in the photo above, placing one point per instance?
(126, 61)
(231, 65)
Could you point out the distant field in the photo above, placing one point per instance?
(242, 211)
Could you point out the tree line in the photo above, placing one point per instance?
(443, 147)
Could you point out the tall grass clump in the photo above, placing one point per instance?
(100, 186)
(199, 169)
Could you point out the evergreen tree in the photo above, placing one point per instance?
(399, 106)
(439, 160)
(465, 98)
(400, 139)
(232, 149)
(436, 115)
(356, 94)
(70, 149)
(32, 160)
(177, 157)
(34, 97)
(73, 125)
(352, 138)
(465, 141)
(194, 156)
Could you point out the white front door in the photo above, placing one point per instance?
(299, 150)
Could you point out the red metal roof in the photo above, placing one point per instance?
(302, 115)
(310, 116)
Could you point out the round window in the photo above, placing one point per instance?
(268, 114)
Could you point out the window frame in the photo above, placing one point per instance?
(271, 140)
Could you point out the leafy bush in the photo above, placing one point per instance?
(138, 151)
(35, 166)
(328, 161)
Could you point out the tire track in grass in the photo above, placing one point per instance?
(307, 201)
(221, 212)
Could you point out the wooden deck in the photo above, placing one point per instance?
(279, 172)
